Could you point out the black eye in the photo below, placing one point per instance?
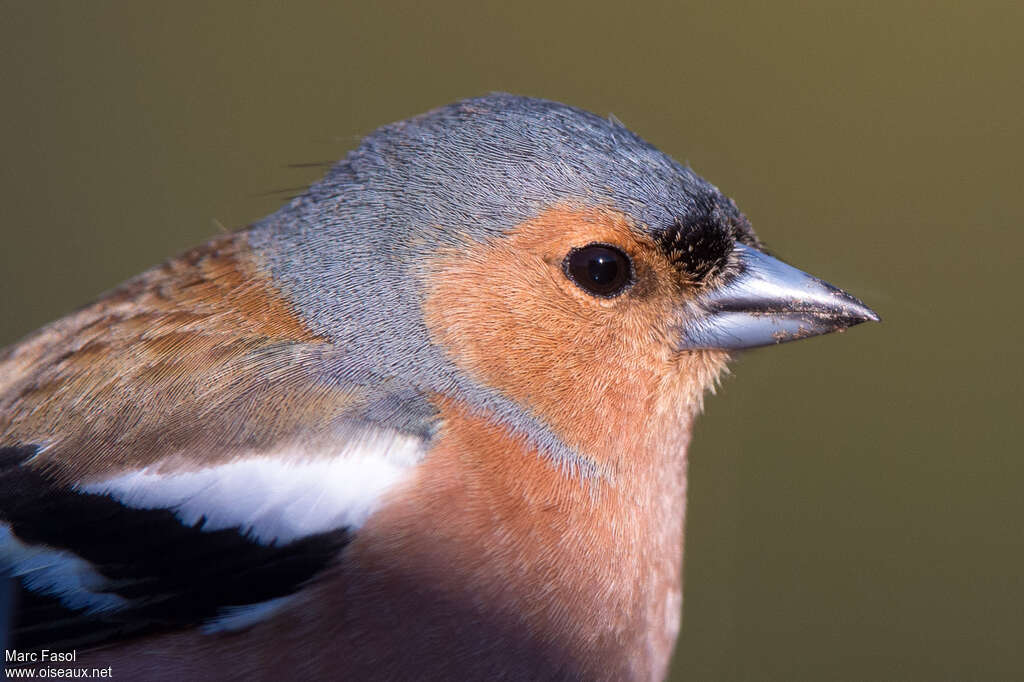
(599, 269)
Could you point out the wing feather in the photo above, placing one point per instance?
(150, 551)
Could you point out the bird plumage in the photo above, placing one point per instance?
(384, 431)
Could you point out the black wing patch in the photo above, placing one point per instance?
(169, 575)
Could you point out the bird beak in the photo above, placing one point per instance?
(768, 302)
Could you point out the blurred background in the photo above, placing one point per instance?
(856, 501)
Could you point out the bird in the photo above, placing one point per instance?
(429, 420)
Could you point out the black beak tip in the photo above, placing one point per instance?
(857, 312)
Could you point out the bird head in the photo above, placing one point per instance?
(542, 263)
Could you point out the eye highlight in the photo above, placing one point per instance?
(599, 269)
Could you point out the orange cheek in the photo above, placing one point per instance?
(509, 317)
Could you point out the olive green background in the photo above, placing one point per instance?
(856, 500)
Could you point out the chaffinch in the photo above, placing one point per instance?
(428, 420)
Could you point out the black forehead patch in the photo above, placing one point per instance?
(698, 244)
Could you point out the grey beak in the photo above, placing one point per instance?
(769, 302)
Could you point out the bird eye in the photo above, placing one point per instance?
(599, 269)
